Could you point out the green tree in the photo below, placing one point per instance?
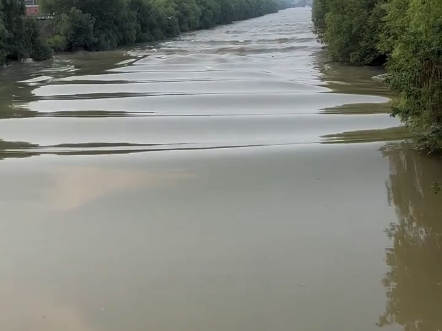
(394, 23)
(188, 14)
(353, 29)
(406, 33)
(38, 48)
(106, 24)
(78, 30)
(210, 13)
(14, 23)
(147, 27)
(415, 66)
(3, 36)
(227, 11)
(19, 37)
(167, 19)
(319, 12)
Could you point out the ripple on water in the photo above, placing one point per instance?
(229, 86)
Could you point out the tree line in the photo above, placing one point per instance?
(403, 35)
(19, 37)
(96, 25)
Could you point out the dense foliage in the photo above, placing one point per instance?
(351, 29)
(415, 66)
(106, 24)
(19, 37)
(405, 33)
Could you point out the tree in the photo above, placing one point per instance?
(415, 66)
(19, 37)
(353, 29)
(106, 24)
(319, 12)
(210, 13)
(407, 35)
(78, 30)
(188, 14)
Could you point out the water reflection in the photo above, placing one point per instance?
(341, 78)
(19, 81)
(363, 136)
(74, 187)
(414, 282)
(349, 80)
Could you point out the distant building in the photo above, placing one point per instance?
(31, 7)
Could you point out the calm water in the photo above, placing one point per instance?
(227, 180)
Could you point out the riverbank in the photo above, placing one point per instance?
(403, 35)
(104, 25)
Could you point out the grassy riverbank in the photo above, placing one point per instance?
(403, 35)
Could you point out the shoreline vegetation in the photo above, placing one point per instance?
(98, 25)
(405, 36)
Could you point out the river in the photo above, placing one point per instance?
(230, 179)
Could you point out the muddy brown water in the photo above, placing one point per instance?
(226, 180)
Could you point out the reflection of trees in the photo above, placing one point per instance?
(414, 282)
(16, 149)
(341, 78)
(16, 94)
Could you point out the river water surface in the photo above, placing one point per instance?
(226, 180)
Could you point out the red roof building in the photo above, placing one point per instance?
(31, 7)
(31, 10)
